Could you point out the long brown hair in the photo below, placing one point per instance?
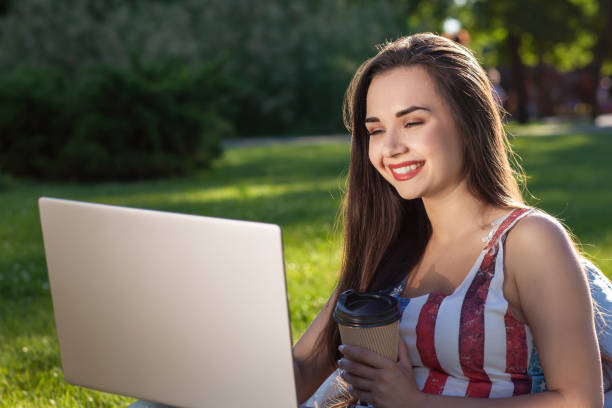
(385, 235)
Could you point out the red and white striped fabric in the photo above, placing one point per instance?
(467, 343)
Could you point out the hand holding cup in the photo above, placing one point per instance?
(369, 328)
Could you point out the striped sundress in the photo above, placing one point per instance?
(468, 343)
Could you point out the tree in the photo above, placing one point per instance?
(602, 49)
(525, 26)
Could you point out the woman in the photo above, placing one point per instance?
(434, 215)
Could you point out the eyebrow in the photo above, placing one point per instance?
(400, 113)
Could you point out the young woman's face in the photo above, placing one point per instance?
(414, 142)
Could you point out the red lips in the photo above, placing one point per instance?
(410, 174)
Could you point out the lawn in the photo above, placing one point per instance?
(297, 186)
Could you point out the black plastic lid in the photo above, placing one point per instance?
(365, 309)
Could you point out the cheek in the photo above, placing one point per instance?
(434, 141)
(455, 151)
(449, 154)
(442, 144)
(376, 158)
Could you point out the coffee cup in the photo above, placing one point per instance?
(369, 320)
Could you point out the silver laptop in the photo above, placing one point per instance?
(183, 310)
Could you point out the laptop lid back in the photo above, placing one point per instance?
(179, 309)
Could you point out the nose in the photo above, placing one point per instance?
(393, 143)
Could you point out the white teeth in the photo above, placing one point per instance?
(407, 169)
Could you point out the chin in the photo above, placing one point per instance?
(408, 195)
(406, 189)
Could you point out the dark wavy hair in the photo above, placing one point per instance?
(384, 234)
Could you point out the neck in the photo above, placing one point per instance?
(456, 213)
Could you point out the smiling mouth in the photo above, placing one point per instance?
(407, 170)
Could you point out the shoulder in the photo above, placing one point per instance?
(539, 245)
(535, 231)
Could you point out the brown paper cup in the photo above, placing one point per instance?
(382, 339)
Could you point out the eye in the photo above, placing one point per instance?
(414, 123)
(374, 132)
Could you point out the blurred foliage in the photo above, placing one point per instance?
(290, 61)
(560, 33)
(32, 119)
(567, 35)
(111, 123)
(285, 67)
(541, 31)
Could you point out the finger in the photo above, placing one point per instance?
(365, 356)
(357, 368)
(361, 395)
(357, 382)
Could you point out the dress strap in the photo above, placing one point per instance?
(506, 223)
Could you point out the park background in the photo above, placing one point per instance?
(200, 107)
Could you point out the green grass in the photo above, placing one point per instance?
(570, 178)
(296, 186)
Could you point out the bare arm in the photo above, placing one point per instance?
(555, 298)
(311, 369)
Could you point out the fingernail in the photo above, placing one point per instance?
(341, 347)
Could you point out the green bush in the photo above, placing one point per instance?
(291, 60)
(112, 123)
(32, 120)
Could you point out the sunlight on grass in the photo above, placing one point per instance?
(219, 194)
